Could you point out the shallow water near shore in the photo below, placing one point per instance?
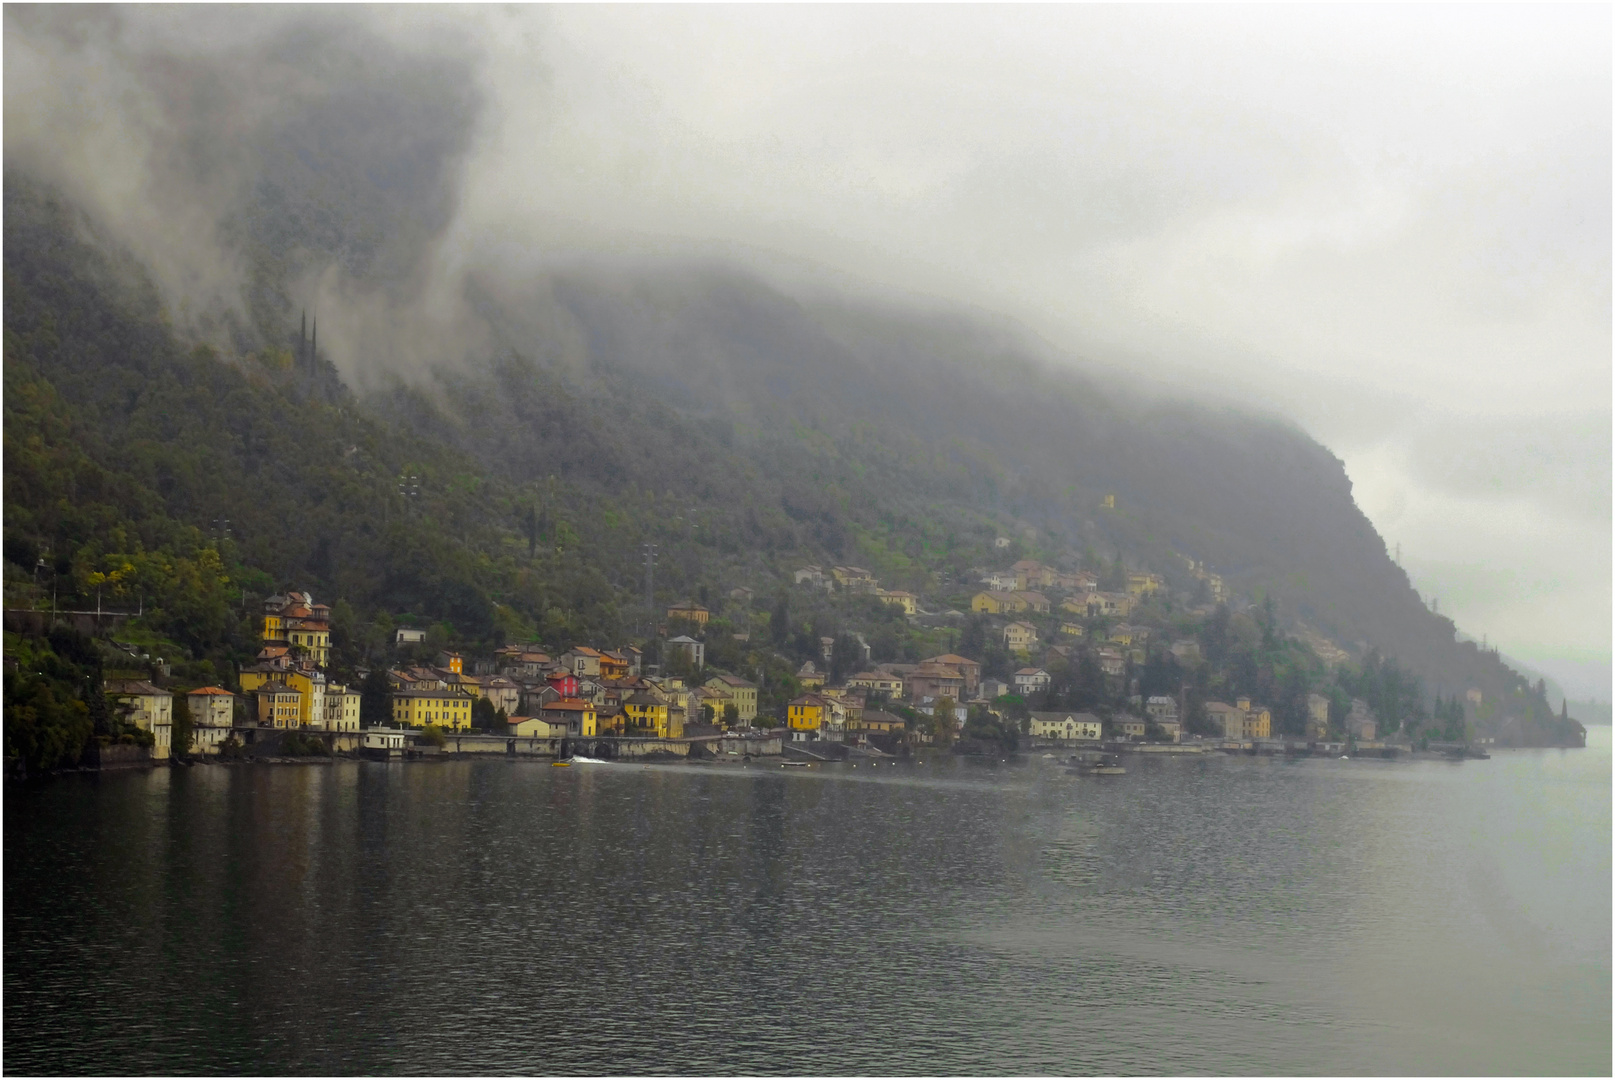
(1223, 915)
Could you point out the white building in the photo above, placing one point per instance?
(1161, 708)
(1031, 680)
(212, 715)
(1067, 727)
(385, 742)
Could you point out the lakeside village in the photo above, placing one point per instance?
(531, 701)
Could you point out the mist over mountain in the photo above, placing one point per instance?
(746, 417)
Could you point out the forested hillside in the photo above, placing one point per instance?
(740, 431)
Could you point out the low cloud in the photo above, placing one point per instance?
(1392, 224)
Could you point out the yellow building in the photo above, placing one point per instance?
(1121, 634)
(689, 612)
(296, 620)
(1144, 584)
(809, 677)
(653, 713)
(993, 602)
(279, 705)
(1107, 603)
(883, 723)
(898, 598)
(879, 682)
(572, 715)
(150, 708)
(308, 683)
(807, 713)
(742, 692)
(1071, 628)
(531, 727)
(1020, 637)
(444, 708)
(1258, 720)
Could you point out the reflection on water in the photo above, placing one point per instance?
(1218, 915)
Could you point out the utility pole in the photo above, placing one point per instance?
(650, 586)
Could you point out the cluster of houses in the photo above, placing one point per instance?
(855, 579)
(585, 692)
(285, 687)
(582, 692)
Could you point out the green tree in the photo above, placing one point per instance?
(942, 725)
(375, 700)
(484, 715)
(845, 656)
(779, 619)
(184, 728)
(731, 714)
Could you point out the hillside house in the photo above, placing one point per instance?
(1031, 680)
(854, 579)
(931, 680)
(970, 669)
(741, 692)
(1109, 603)
(877, 682)
(809, 677)
(1161, 708)
(994, 602)
(297, 621)
(582, 661)
(1030, 574)
(1111, 662)
(1142, 585)
(1020, 637)
(898, 598)
(689, 611)
(501, 692)
(690, 649)
(813, 577)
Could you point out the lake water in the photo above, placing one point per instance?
(1223, 915)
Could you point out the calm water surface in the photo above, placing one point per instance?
(1219, 915)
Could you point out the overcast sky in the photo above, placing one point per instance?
(1391, 224)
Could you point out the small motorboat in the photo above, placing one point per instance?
(793, 764)
(560, 764)
(1095, 764)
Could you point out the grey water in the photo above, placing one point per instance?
(1197, 915)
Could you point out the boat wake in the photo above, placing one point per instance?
(588, 760)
